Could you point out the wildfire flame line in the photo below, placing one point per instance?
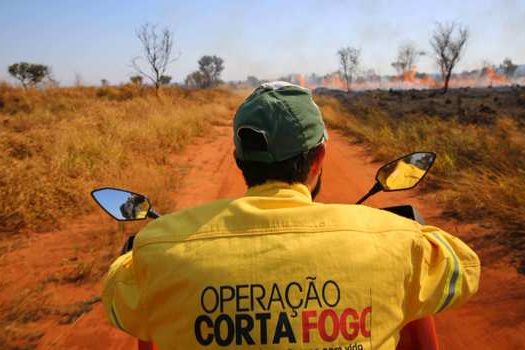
(409, 79)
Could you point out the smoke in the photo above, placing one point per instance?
(488, 76)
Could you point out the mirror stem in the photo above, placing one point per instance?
(153, 214)
(376, 188)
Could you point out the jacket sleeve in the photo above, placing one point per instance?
(445, 273)
(122, 298)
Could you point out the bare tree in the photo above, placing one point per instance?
(157, 48)
(448, 47)
(406, 58)
(349, 58)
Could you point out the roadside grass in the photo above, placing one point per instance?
(480, 169)
(58, 144)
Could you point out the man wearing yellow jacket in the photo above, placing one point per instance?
(275, 270)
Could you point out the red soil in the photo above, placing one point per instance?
(494, 318)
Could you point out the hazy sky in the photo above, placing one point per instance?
(96, 38)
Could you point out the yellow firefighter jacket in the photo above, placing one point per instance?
(274, 270)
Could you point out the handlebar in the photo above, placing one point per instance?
(406, 211)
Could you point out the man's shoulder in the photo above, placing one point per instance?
(213, 217)
(179, 225)
(362, 217)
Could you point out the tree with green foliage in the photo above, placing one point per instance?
(252, 81)
(508, 67)
(211, 68)
(209, 73)
(195, 80)
(29, 74)
(164, 79)
(136, 79)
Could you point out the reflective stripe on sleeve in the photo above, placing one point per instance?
(454, 276)
(115, 318)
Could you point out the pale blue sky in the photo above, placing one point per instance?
(96, 39)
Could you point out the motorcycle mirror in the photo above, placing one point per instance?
(122, 205)
(406, 172)
(401, 174)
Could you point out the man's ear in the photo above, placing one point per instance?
(317, 164)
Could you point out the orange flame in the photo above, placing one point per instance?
(333, 81)
(409, 76)
(493, 77)
(410, 79)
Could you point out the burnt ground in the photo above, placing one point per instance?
(499, 205)
(469, 105)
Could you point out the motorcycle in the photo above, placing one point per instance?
(401, 174)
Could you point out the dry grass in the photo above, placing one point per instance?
(480, 169)
(58, 144)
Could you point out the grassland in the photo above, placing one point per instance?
(478, 136)
(58, 144)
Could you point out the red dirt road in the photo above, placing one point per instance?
(494, 319)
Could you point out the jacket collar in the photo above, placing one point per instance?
(281, 190)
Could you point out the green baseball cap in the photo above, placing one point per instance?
(284, 116)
